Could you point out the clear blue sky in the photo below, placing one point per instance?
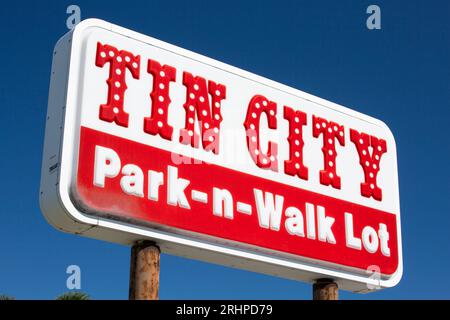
(399, 74)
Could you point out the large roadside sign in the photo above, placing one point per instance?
(145, 140)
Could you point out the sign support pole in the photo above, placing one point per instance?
(325, 289)
(144, 271)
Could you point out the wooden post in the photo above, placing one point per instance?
(144, 271)
(325, 289)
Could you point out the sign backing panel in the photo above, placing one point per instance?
(145, 140)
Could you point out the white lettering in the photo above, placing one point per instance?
(269, 212)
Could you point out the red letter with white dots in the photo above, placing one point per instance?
(157, 122)
(209, 116)
(259, 104)
(119, 62)
(369, 162)
(294, 166)
(330, 131)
